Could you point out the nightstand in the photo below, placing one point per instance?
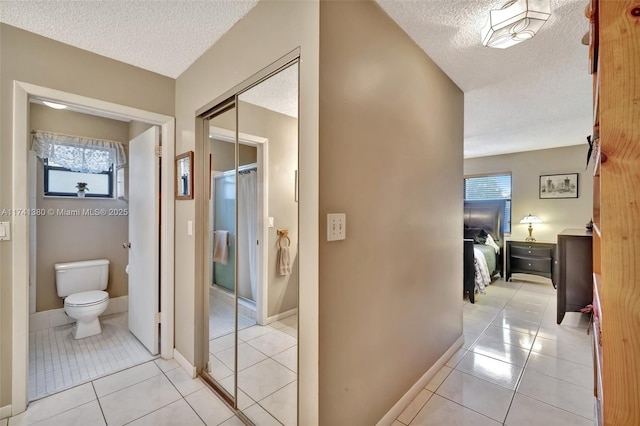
(528, 257)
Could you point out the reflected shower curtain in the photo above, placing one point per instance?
(248, 234)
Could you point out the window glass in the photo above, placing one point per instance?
(491, 187)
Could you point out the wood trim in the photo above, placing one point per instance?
(619, 112)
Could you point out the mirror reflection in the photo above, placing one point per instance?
(184, 177)
(222, 252)
(253, 229)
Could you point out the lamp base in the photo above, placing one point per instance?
(530, 239)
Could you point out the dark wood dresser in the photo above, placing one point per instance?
(574, 271)
(530, 257)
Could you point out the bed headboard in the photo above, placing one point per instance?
(487, 215)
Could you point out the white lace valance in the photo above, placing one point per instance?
(77, 153)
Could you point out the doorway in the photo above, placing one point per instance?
(23, 93)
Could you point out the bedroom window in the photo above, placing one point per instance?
(491, 187)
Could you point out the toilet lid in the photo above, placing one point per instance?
(86, 298)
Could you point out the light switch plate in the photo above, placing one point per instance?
(336, 226)
(5, 231)
(270, 222)
(189, 227)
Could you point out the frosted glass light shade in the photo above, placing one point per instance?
(517, 21)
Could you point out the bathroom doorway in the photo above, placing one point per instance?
(70, 344)
(112, 353)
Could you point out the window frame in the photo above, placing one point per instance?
(47, 193)
(508, 201)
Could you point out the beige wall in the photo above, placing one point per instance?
(268, 32)
(30, 58)
(83, 237)
(525, 169)
(391, 137)
(282, 132)
(225, 154)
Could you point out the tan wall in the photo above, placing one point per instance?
(83, 237)
(282, 132)
(391, 139)
(225, 155)
(30, 58)
(269, 31)
(526, 168)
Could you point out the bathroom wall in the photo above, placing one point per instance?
(62, 238)
(282, 132)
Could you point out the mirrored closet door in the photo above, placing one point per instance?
(252, 275)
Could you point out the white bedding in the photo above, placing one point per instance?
(482, 275)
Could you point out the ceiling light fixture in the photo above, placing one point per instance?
(54, 105)
(517, 21)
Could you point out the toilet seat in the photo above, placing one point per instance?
(86, 298)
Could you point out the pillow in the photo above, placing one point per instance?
(492, 243)
(478, 235)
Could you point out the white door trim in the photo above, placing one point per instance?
(262, 145)
(20, 241)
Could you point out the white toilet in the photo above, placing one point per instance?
(82, 286)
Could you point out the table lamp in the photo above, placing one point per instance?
(530, 219)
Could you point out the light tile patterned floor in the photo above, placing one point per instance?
(222, 316)
(57, 361)
(517, 367)
(267, 370)
(157, 392)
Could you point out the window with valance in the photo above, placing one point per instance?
(68, 160)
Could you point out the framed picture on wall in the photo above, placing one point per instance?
(559, 186)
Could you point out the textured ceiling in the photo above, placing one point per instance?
(534, 95)
(278, 93)
(161, 36)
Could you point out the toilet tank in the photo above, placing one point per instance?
(76, 277)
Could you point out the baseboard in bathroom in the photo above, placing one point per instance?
(5, 411)
(117, 305)
(186, 365)
(411, 394)
(56, 317)
(282, 315)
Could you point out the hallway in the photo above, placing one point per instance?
(517, 367)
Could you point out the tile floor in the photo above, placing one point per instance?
(517, 367)
(222, 316)
(267, 370)
(57, 361)
(157, 392)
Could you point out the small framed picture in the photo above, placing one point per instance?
(559, 186)
(184, 176)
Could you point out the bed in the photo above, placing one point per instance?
(482, 218)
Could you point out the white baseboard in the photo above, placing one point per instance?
(5, 411)
(186, 365)
(408, 397)
(56, 317)
(282, 315)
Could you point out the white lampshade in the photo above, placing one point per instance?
(517, 21)
(530, 219)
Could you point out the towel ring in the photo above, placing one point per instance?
(283, 238)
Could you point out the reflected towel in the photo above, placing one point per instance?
(283, 261)
(220, 244)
